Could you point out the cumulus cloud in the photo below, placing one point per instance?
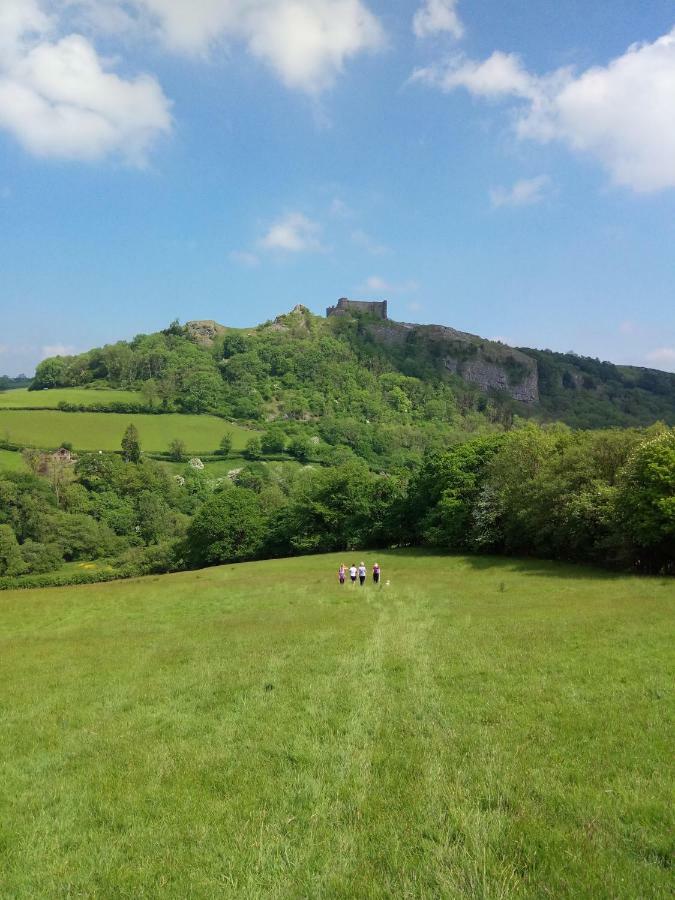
(501, 75)
(526, 192)
(436, 16)
(662, 358)
(19, 19)
(621, 114)
(305, 42)
(59, 99)
(294, 233)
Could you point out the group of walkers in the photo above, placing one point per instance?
(359, 572)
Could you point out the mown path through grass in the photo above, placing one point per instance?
(478, 728)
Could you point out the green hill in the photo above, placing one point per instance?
(475, 728)
(369, 371)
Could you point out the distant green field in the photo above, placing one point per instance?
(475, 728)
(22, 397)
(103, 431)
(11, 462)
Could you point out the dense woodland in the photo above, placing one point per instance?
(373, 447)
(605, 497)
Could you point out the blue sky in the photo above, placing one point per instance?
(507, 168)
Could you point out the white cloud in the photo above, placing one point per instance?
(107, 17)
(437, 16)
(377, 285)
(306, 42)
(622, 114)
(58, 98)
(501, 75)
(294, 233)
(56, 350)
(526, 192)
(369, 244)
(19, 19)
(663, 358)
(245, 258)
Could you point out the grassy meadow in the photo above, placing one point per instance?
(21, 398)
(474, 728)
(46, 428)
(12, 461)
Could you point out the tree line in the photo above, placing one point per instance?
(604, 497)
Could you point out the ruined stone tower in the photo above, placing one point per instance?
(371, 307)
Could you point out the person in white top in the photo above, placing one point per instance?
(352, 573)
(362, 574)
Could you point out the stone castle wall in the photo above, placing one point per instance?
(370, 307)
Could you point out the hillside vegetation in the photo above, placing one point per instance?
(475, 728)
(376, 437)
(366, 372)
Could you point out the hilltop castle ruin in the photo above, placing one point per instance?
(371, 307)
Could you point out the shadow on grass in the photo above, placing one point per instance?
(528, 565)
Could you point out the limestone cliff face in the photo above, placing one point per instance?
(487, 364)
(493, 376)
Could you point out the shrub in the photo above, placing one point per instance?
(40, 558)
(225, 447)
(253, 449)
(178, 450)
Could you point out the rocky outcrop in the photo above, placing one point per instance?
(493, 376)
(204, 331)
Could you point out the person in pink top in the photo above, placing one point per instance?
(376, 573)
(342, 572)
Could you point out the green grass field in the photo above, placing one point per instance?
(22, 397)
(103, 431)
(11, 462)
(477, 728)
